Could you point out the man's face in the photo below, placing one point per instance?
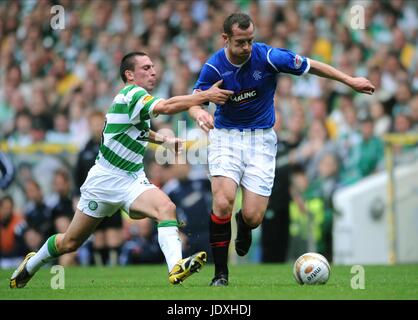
(240, 43)
(144, 74)
(33, 192)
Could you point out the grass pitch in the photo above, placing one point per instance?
(247, 282)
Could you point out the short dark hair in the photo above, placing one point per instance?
(243, 20)
(128, 63)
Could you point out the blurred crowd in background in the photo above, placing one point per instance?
(56, 86)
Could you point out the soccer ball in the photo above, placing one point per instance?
(311, 268)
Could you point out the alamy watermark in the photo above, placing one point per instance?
(357, 17)
(57, 21)
(247, 146)
(358, 281)
(58, 278)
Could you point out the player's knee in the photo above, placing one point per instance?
(223, 206)
(252, 218)
(166, 211)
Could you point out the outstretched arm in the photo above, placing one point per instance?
(359, 84)
(181, 103)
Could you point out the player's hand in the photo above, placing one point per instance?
(362, 85)
(175, 144)
(204, 120)
(217, 95)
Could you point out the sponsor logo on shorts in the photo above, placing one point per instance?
(93, 205)
(264, 188)
(214, 166)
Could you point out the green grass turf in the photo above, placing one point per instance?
(249, 281)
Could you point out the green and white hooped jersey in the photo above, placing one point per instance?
(126, 131)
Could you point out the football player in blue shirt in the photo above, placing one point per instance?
(242, 143)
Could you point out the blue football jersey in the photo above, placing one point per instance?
(253, 83)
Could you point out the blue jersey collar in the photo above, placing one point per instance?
(236, 65)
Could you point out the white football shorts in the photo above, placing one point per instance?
(107, 190)
(247, 157)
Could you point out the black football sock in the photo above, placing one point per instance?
(242, 224)
(220, 236)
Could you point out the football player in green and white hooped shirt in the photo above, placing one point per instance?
(117, 181)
